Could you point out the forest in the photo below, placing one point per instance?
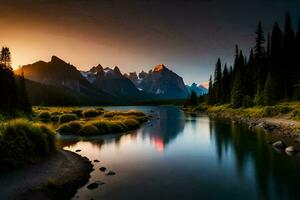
(270, 74)
(14, 97)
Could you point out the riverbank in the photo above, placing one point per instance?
(282, 118)
(57, 177)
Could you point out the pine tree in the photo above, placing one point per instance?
(5, 57)
(225, 86)
(210, 92)
(237, 91)
(260, 40)
(193, 98)
(218, 81)
(24, 101)
(269, 92)
(289, 56)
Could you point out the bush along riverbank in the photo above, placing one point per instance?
(105, 122)
(28, 149)
(282, 119)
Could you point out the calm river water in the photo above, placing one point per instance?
(177, 156)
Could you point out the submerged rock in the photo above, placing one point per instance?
(279, 145)
(96, 161)
(93, 186)
(110, 173)
(290, 150)
(99, 182)
(102, 169)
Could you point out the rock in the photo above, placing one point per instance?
(279, 145)
(102, 169)
(92, 186)
(290, 149)
(96, 161)
(110, 173)
(99, 182)
(78, 150)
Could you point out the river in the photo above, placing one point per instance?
(180, 156)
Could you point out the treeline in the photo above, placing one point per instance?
(270, 73)
(13, 96)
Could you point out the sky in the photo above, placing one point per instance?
(186, 35)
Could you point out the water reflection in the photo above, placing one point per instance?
(178, 155)
(276, 175)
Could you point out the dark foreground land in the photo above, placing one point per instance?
(58, 177)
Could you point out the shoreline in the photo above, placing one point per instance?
(280, 124)
(58, 177)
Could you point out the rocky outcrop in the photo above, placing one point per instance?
(199, 89)
(113, 82)
(160, 82)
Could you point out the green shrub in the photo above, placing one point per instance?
(91, 113)
(247, 102)
(77, 112)
(54, 118)
(296, 114)
(283, 109)
(22, 142)
(123, 113)
(70, 128)
(89, 130)
(44, 116)
(269, 111)
(67, 118)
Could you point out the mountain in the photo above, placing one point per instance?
(161, 82)
(199, 89)
(113, 82)
(63, 75)
(49, 95)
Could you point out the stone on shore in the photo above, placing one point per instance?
(102, 169)
(110, 173)
(92, 186)
(279, 145)
(290, 150)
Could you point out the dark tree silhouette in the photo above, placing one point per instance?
(269, 91)
(266, 76)
(13, 97)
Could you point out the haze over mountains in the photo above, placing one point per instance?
(102, 85)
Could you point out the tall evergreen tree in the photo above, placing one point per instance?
(269, 91)
(260, 40)
(289, 56)
(24, 100)
(5, 57)
(226, 86)
(193, 98)
(218, 81)
(211, 95)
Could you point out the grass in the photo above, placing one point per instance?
(109, 122)
(91, 113)
(70, 127)
(44, 116)
(289, 110)
(67, 118)
(23, 142)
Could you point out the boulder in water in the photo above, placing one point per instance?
(110, 173)
(102, 169)
(92, 186)
(279, 145)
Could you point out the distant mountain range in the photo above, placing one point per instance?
(199, 89)
(161, 82)
(52, 82)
